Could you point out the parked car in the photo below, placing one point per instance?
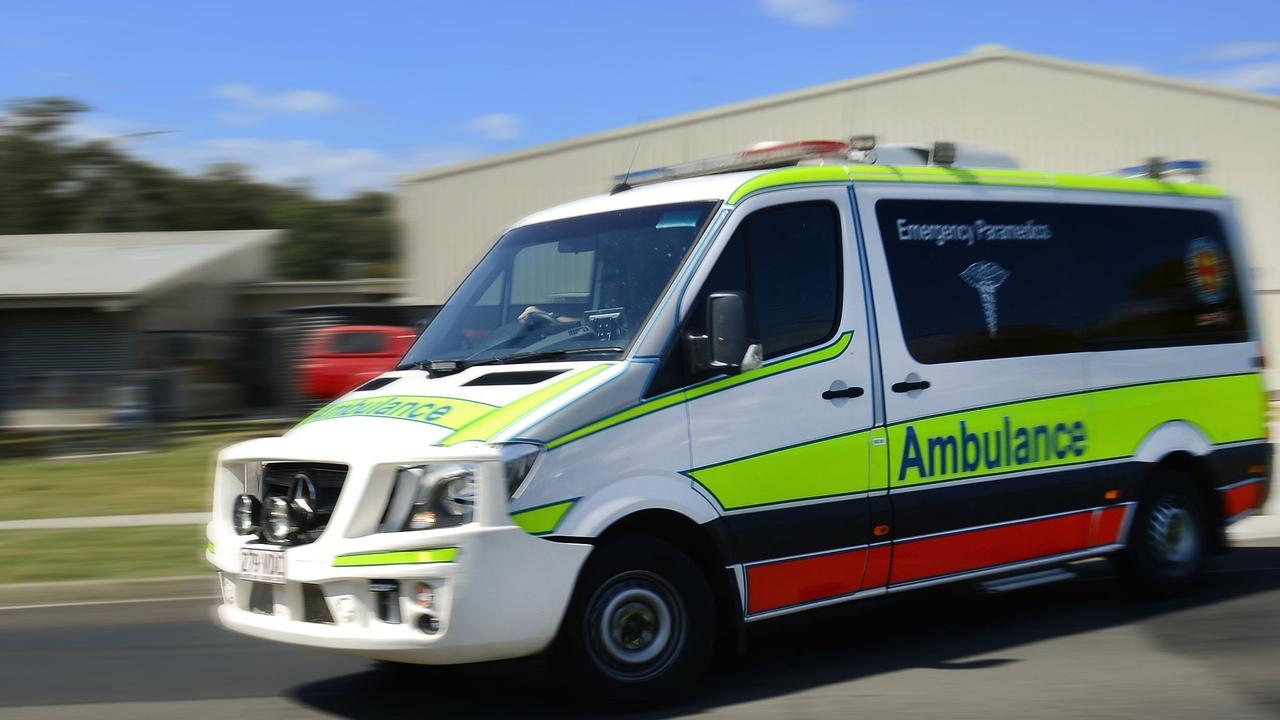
(340, 358)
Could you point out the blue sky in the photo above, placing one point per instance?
(349, 95)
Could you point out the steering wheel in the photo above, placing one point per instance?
(538, 319)
(537, 324)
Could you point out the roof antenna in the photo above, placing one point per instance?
(622, 186)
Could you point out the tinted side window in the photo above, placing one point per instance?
(1157, 277)
(979, 280)
(787, 260)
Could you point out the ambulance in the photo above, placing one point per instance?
(755, 385)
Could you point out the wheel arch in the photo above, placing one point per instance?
(708, 545)
(1181, 446)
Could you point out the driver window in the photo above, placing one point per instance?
(787, 259)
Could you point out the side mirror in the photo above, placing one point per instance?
(726, 348)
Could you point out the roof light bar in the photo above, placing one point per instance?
(1167, 170)
(758, 158)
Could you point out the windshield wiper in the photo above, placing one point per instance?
(542, 355)
(451, 366)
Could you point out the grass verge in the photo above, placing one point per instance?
(175, 478)
(43, 555)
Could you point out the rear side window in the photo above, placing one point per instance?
(979, 280)
(1157, 277)
(359, 343)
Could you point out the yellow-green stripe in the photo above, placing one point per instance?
(398, 557)
(542, 520)
(446, 412)
(1117, 420)
(822, 354)
(1227, 409)
(1020, 178)
(489, 425)
(835, 466)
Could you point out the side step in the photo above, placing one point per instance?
(1026, 580)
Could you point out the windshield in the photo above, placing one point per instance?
(582, 285)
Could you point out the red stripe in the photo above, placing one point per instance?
(791, 582)
(1242, 498)
(1109, 525)
(877, 573)
(959, 552)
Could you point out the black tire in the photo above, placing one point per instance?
(1168, 544)
(640, 628)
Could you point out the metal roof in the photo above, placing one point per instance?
(733, 187)
(104, 266)
(986, 53)
(706, 187)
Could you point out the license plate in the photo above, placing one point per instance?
(262, 565)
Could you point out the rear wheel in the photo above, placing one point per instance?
(640, 628)
(1168, 542)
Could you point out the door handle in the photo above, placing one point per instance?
(849, 392)
(907, 386)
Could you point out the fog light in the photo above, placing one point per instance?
(244, 514)
(428, 625)
(346, 609)
(424, 595)
(228, 590)
(424, 520)
(280, 522)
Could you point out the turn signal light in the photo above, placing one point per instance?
(1111, 495)
(880, 530)
(424, 595)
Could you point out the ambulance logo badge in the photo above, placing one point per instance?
(1207, 273)
(985, 276)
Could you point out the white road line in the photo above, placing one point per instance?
(107, 521)
(85, 603)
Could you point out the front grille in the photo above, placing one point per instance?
(281, 479)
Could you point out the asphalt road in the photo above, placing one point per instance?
(1072, 650)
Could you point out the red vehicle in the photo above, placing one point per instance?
(340, 358)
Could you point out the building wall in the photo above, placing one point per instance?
(1051, 114)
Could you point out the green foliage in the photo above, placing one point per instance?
(52, 183)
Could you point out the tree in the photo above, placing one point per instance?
(51, 183)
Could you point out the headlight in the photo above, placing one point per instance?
(244, 514)
(518, 459)
(431, 496)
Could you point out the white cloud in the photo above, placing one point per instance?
(1250, 76)
(809, 13)
(1246, 50)
(495, 126)
(329, 170)
(297, 102)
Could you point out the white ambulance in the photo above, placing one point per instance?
(751, 386)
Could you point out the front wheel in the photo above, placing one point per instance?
(640, 627)
(1168, 542)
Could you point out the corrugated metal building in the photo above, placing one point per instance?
(1051, 114)
(82, 315)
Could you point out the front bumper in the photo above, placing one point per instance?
(502, 597)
